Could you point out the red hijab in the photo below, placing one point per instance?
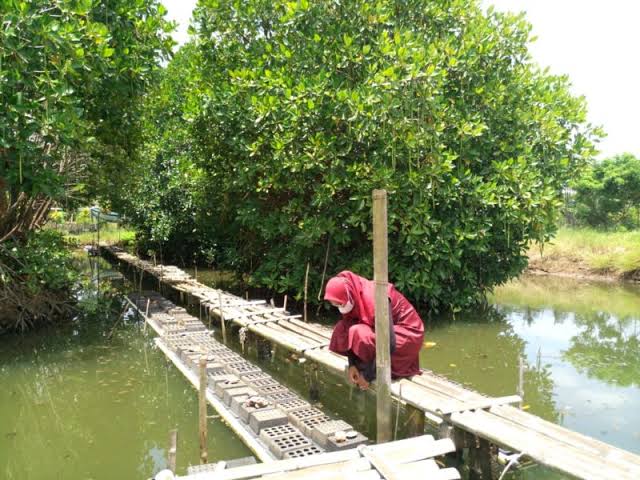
(348, 286)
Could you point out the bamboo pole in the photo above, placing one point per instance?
(173, 449)
(146, 316)
(383, 353)
(224, 328)
(306, 285)
(202, 404)
(284, 306)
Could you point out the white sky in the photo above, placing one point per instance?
(595, 42)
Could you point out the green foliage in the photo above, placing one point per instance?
(291, 113)
(608, 193)
(42, 263)
(83, 216)
(57, 216)
(71, 76)
(170, 208)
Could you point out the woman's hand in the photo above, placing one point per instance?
(354, 375)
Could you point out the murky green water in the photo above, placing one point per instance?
(75, 404)
(580, 342)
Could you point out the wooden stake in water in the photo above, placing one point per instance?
(306, 285)
(224, 328)
(284, 306)
(383, 350)
(202, 398)
(146, 316)
(173, 449)
(521, 380)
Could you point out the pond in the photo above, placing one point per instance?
(93, 401)
(580, 345)
(81, 402)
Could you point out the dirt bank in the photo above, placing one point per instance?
(567, 266)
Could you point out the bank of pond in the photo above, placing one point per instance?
(96, 399)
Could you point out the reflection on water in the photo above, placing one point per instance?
(586, 336)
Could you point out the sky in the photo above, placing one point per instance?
(595, 42)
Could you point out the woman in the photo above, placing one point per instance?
(354, 336)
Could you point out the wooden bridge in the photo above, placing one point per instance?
(471, 420)
(291, 438)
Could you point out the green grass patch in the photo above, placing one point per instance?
(614, 252)
(110, 236)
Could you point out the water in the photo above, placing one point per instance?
(77, 405)
(580, 344)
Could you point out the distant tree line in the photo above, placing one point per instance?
(606, 194)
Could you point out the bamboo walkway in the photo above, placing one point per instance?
(288, 429)
(455, 408)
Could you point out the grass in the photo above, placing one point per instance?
(108, 236)
(589, 250)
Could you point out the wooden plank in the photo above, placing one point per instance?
(414, 449)
(541, 449)
(442, 385)
(334, 362)
(414, 470)
(249, 314)
(421, 469)
(257, 470)
(202, 409)
(172, 452)
(422, 398)
(552, 430)
(323, 471)
(479, 404)
(380, 464)
(288, 324)
(315, 327)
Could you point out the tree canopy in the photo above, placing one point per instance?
(72, 73)
(295, 111)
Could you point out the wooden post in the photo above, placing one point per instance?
(383, 350)
(202, 397)
(284, 306)
(521, 380)
(224, 328)
(415, 423)
(173, 449)
(306, 285)
(146, 316)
